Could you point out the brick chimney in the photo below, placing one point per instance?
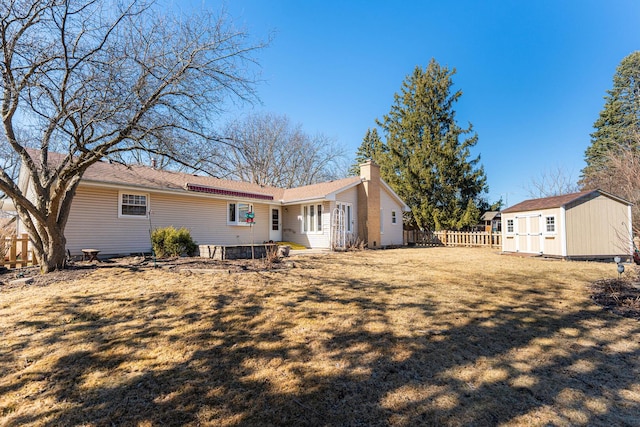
(369, 204)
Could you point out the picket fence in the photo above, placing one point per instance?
(17, 252)
(454, 238)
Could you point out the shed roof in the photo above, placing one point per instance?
(560, 201)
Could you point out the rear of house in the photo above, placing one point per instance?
(345, 212)
(117, 206)
(118, 221)
(590, 224)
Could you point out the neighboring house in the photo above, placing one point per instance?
(491, 222)
(589, 224)
(116, 206)
(8, 216)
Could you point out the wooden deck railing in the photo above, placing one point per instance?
(17, 252)
(454, 238)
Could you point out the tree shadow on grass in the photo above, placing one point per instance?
(258, 362)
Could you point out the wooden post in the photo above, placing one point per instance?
(24, 250)
(12, 251)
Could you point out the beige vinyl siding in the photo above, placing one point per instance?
(94, 221)
(349, 196)
(393, 234)
(599, 226)
(292, 226)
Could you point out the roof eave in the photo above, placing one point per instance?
(405, 207)
(306, 200)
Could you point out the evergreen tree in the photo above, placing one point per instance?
(618, 123)
(370, 148)
(427, 160)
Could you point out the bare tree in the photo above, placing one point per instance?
(552, 182)
(92, 79)
(621, 176)
(267, 149)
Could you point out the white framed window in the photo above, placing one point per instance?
(347, 214)
(509, 226)
(237, 213)
(394, 217)
(312, 218)
(550, 224)
(133, 205)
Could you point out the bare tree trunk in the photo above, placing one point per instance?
(54, 255)
(101, 79)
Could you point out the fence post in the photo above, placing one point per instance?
(12, 251)
(24, 252)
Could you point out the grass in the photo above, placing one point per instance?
(402, 337)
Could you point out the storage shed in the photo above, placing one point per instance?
(590, 224)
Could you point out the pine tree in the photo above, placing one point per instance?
(618, 125)
(370, 148)
(427, 160)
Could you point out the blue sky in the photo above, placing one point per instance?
(533, 73)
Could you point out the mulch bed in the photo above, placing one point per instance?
(80, 269)
(621, 296)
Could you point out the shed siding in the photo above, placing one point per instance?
(94, 222)
(508, 239)
(530, 235)
(392, 235)
(598, 227)
(552, 242)
(595, 227)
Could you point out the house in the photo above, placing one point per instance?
(116, 206)
(589, 224)
(491, 222)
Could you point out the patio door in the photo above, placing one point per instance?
(275, 224)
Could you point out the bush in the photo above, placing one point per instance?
(169, 241)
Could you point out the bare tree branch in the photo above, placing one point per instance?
(92, 79)
(267, 149)
(552, 182)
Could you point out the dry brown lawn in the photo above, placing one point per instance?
(402, 337)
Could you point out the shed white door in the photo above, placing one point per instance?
(529, 238)
(275, 224)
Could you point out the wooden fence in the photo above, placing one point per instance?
(17, 252)
(454, 238)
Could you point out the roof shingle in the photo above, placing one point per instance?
(149, 178)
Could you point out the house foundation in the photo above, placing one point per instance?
(222, 252)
